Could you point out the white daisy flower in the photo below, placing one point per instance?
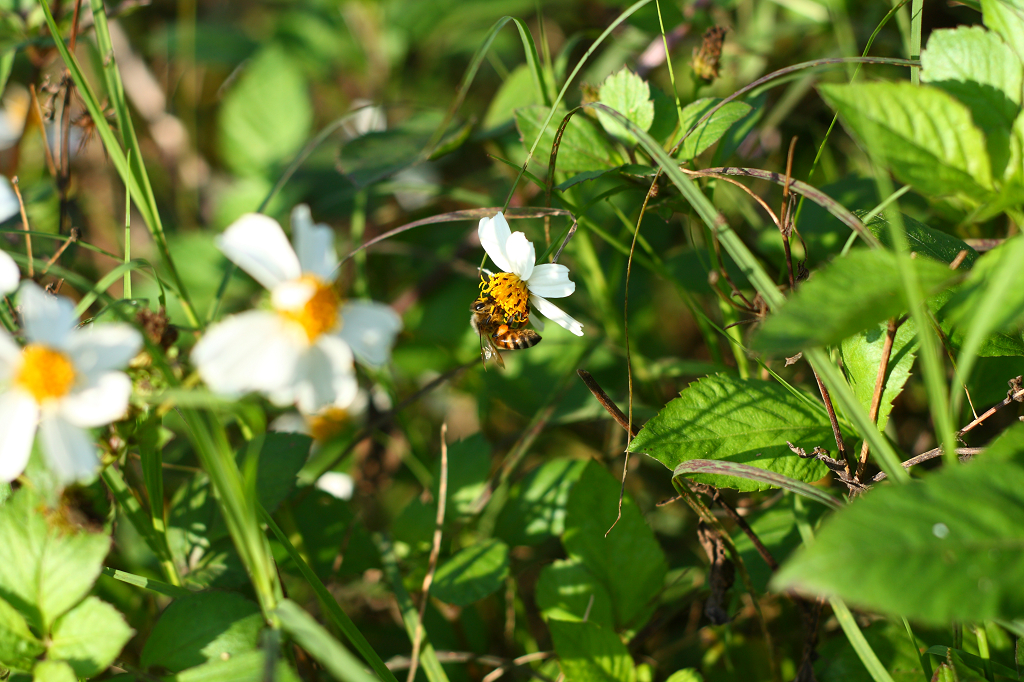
(10, 275)
(522, 281)
(65, 380)
(301, 351)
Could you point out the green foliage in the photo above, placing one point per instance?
(472, 574)
(202, 628)
(590, 653)
(862, 356)
(710, 131)
(628, 94)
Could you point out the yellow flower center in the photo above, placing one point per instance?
(327, 424)
(45, 373)
(319, 313)
(511, 295)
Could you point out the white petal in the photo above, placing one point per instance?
(493, 234)
(257, 244)
(102, 401)
(314, 244)
(556, 315)
(521, 255)
(337, 484)
(370, 329)
(324, 377)
(293, 294)
(252, 351)
(99, 348)
(48, 319)
(69, 451)
(9, 274)
(551, 280)
(19, 416)
(10, 356)
(290, 422)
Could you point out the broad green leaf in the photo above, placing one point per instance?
(472, 574)
(588, 652)
(535, 509)
(738, 420)
(1006, 17)
(266, 115)
(777, 529)
(922, 133)
(567, 590)
(89, 637)
(516, 91)
(838, 660)
(924, 240)
(1015, 166)
(628, 94)
(858, 290)
(862, 355)
(200, 628)
(711, 130)
(53, 671)
(469, 464)
(582, 148)
(378, 155)
(686, 675)
(18, 646)
(629, 562)
(980, 70)
(1009, 445)
(281, 456)
(246, 667)
(329, 652)
(992, 297)
(325, 523)
(44, 570)
(964, 557)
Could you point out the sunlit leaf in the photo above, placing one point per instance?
(588, 652)
(472, 574)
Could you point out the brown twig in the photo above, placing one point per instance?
(963, 453)
(435, 550)
(24, 225)
(876, 398)
(503, 664)
(42, 131)
(605, 401)
(827, 399)
(73, 237)
(1011, 397)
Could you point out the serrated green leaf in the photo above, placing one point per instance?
(628, 562)
(582, 148)
(472, 574)
(923, 134)
(89, 637)
(712, 129)
(567, 590)
(266, 115)
(965, 558)
(862, 355)
(923, 240)
(1006, 17)
(18, 646)
(629, 95)
(739, 420)
(858, 291)
(44, 570)
(53, 671)
(535, 509)
(589, 653)
(200, 628)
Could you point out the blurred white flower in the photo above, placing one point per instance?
(337, 484)
(300, 352)
(10, 275)
(65, 380)
(9, 206)
(522, 281)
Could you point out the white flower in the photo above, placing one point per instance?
(62, 382)
(10, 275)
(522, 279)
(300, 352)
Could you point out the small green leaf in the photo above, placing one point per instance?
(924, 240)
(686, 675)
(588, 652)
(711, 130)
(964, 557)
(1006, 17)
(329, 652)
(628, 94)
(266, 115)
(535, 509)
(89, 637)
(872, 275)
(472, 574)
(378, 155)
(629, 562)
(567, 590)
(739, 420)
(925, 135)
(18, 646)
(582, 148)
(202, 627)
(53, 671)
(516, 91)
(469, 464)
(862, 355)
(247, 667)
(281, 457)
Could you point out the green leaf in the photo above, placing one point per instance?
(777, 529)
(739, 420)
(862, 355)
(516, 91)
(89, 637)
(711, 130)
(469, 464)
(247, 667)
(200, 628)
(329, 652)
(281, 457)
(44, 570)
(723, 468)
(567, 590)
(53, 671)
(472, 574)
(964, 558)
(18, 646)
(980, 70)
(991, 299)
(582, 148)
(266, 115)
(923, 240)
(923, 134)
(535, 509)
(325, 523)
(589, 653)
(685, 675)
(1006, 17)
(1008, 446)
(629, 562)
(971, 660)
(1000, 344)
(839, 662)
(858, 291)
(378, 155)
(629, 95)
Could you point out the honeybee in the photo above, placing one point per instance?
(489, 321)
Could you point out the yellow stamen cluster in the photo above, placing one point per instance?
(45, 373)
(510, 293)
(328, 424)
(320, 313)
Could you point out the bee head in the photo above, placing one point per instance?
(478, 306)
